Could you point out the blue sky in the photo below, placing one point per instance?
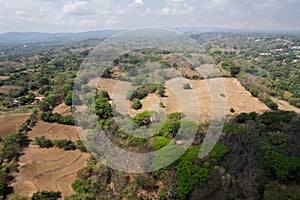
(85, 15)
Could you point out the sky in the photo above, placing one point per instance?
(87, 15)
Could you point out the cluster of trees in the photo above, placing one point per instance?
(63, 144)
(12, 147)
(57, 118)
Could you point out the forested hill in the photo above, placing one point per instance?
(25, 37)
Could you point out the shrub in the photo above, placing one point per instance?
(65, 144)
(187, 86)
(142, 119)
(43, 142)
(160, 142)
(80, 146)
(45, 195)
(136, 104)
(271, 104)
(232, 110)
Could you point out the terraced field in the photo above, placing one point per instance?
(54, 131)
(50, 169)
(10, 123)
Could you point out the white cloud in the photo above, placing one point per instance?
(139, 2)
(176, 7)
(23, 14)
(77, 7)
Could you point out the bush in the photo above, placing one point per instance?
(80, 146)
(142, 119)
(45, 195)
(136, 104)
(271, 104)
(232, 110)
(187, 86)
(43, 142)
(65, 144)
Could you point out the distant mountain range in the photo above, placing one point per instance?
(28, 37)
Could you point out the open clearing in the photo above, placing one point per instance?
(62, 109)
(10, 123)
(236, 96)
(54, 131)
(50, 169)
(4, 78)
(284, 105)
(6, 88)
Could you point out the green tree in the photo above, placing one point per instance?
(136, 104)
(46, 195)
(143, 118)
(43, 142)
(235, 70)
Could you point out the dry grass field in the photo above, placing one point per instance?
(50, 169)
(236, 96)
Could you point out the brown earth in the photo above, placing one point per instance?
(284, 105)
(4, 77)
(6, 88)
(62, 109)
(10, 123)
(50, 169)
(54, 131)
(236, 96)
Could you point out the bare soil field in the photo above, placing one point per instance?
(284, 105)
(62, 109)
(6, 88)
(4, 77)
(10, 123)
(50, 169)
(236, 96)
(54, 131)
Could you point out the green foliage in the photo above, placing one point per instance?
(68, 99)
(271, 104)
(65, 144)
(4, 190)
(13, 145)
(143, 118)
(243, 117)
(46, 195)
(136, 104)
(187, 86)
(274, 120)
(235, 70)
(276, 164)
(102, 107)
(56, 117)
(232, 110)
(164, 64)
(161, 90)
(103, 94)
(43, 142)
(160, 142)
(232, 128)
(80, 146)
(139, 81)
(190, 172)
